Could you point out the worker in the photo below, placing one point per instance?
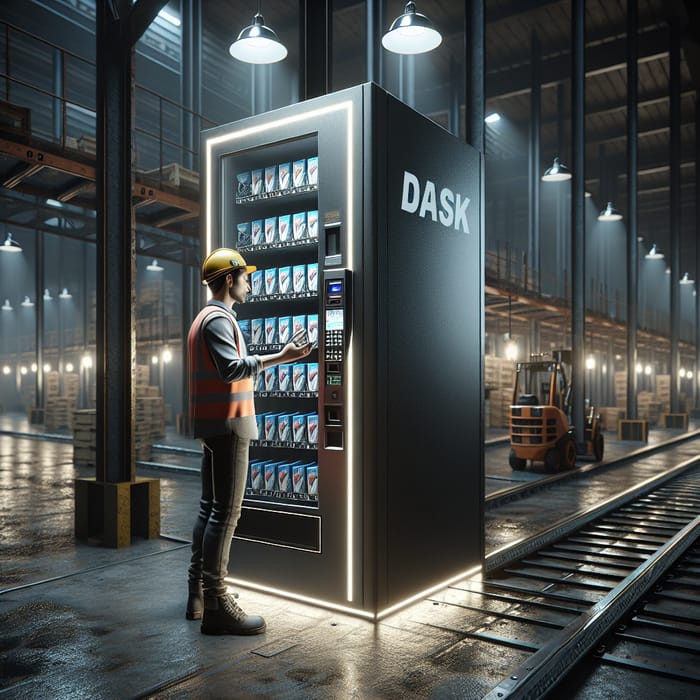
(222, 416)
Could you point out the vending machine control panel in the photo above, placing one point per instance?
(337, 326)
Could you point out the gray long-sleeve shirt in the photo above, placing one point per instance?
(232, 366)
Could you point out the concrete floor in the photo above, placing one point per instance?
(82, 621)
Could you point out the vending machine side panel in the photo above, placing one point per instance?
(431, 301)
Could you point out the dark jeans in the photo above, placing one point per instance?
(224, 472)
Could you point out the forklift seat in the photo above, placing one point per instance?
(527, 400)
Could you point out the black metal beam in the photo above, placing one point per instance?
(534, 162)
(474, 59)
(632, 80)
(315, 43)
(675, 203)
(115, 251)
(139, 18)
(578, 228)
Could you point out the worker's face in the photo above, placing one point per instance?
(240, 288)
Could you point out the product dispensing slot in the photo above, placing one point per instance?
(334, 415)
(333, 244)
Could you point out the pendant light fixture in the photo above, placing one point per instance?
(7, 306)
(557, 173)
(686, 280)
(610, 214)
(257, 43)
(27, 303)
(654, 254)
(154, 266)
(10, 245)
(411, 33)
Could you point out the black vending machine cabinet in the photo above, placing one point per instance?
(365, 486)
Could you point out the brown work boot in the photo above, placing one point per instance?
(195, 600)
(223, 615)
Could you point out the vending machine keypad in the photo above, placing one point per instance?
(334, 345)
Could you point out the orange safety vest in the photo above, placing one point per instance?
(211, 398)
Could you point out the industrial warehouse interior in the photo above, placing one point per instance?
(490, 239)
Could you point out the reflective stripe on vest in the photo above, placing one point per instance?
(211, 398)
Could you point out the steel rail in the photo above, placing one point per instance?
(551, 663)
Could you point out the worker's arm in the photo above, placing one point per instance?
(221, 343)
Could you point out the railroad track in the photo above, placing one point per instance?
(501, 496)
(592, 583)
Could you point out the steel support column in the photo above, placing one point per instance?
(315, 46)
(115, 248)
(675, 202)
(533, 249)
(696, 377)
(578, 230)
(632, 262)
(474, 59)
(39, 320)
(375, 57)
(191, 91)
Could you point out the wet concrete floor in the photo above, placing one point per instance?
(83, 621)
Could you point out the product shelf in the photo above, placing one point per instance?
(277, 194)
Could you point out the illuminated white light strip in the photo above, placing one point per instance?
(351, 384)
(301, 598)
(428, 591)
(355, 611)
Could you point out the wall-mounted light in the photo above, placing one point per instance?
(558, 172)
(590, 362)
(154, 360)
(610, 214)
(638, 368)
(647, 370)
(35, 367)
(492, 118)
(257, 43)
(86, 362)
(654, 254)
(154, 266)
(167, 356)
(10, 245)
(411, 33)
(681, 372)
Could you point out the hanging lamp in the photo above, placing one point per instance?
(411, 33)
(610, 214)
(257, 43)
(654, 254)
(10, 245)
(557, 173)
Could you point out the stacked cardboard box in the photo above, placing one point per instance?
(663, 391)
(499, 407)
(621, 389)
(60, 405)
(499, 373)
(609, 415)
(648, 408)
(84, 437)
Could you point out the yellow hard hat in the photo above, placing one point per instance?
(222, 261)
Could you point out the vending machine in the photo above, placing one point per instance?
(365, 487)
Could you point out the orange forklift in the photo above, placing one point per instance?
(540, 416)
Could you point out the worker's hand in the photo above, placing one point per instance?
(300, 346)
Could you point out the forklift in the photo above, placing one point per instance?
(540, 416)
